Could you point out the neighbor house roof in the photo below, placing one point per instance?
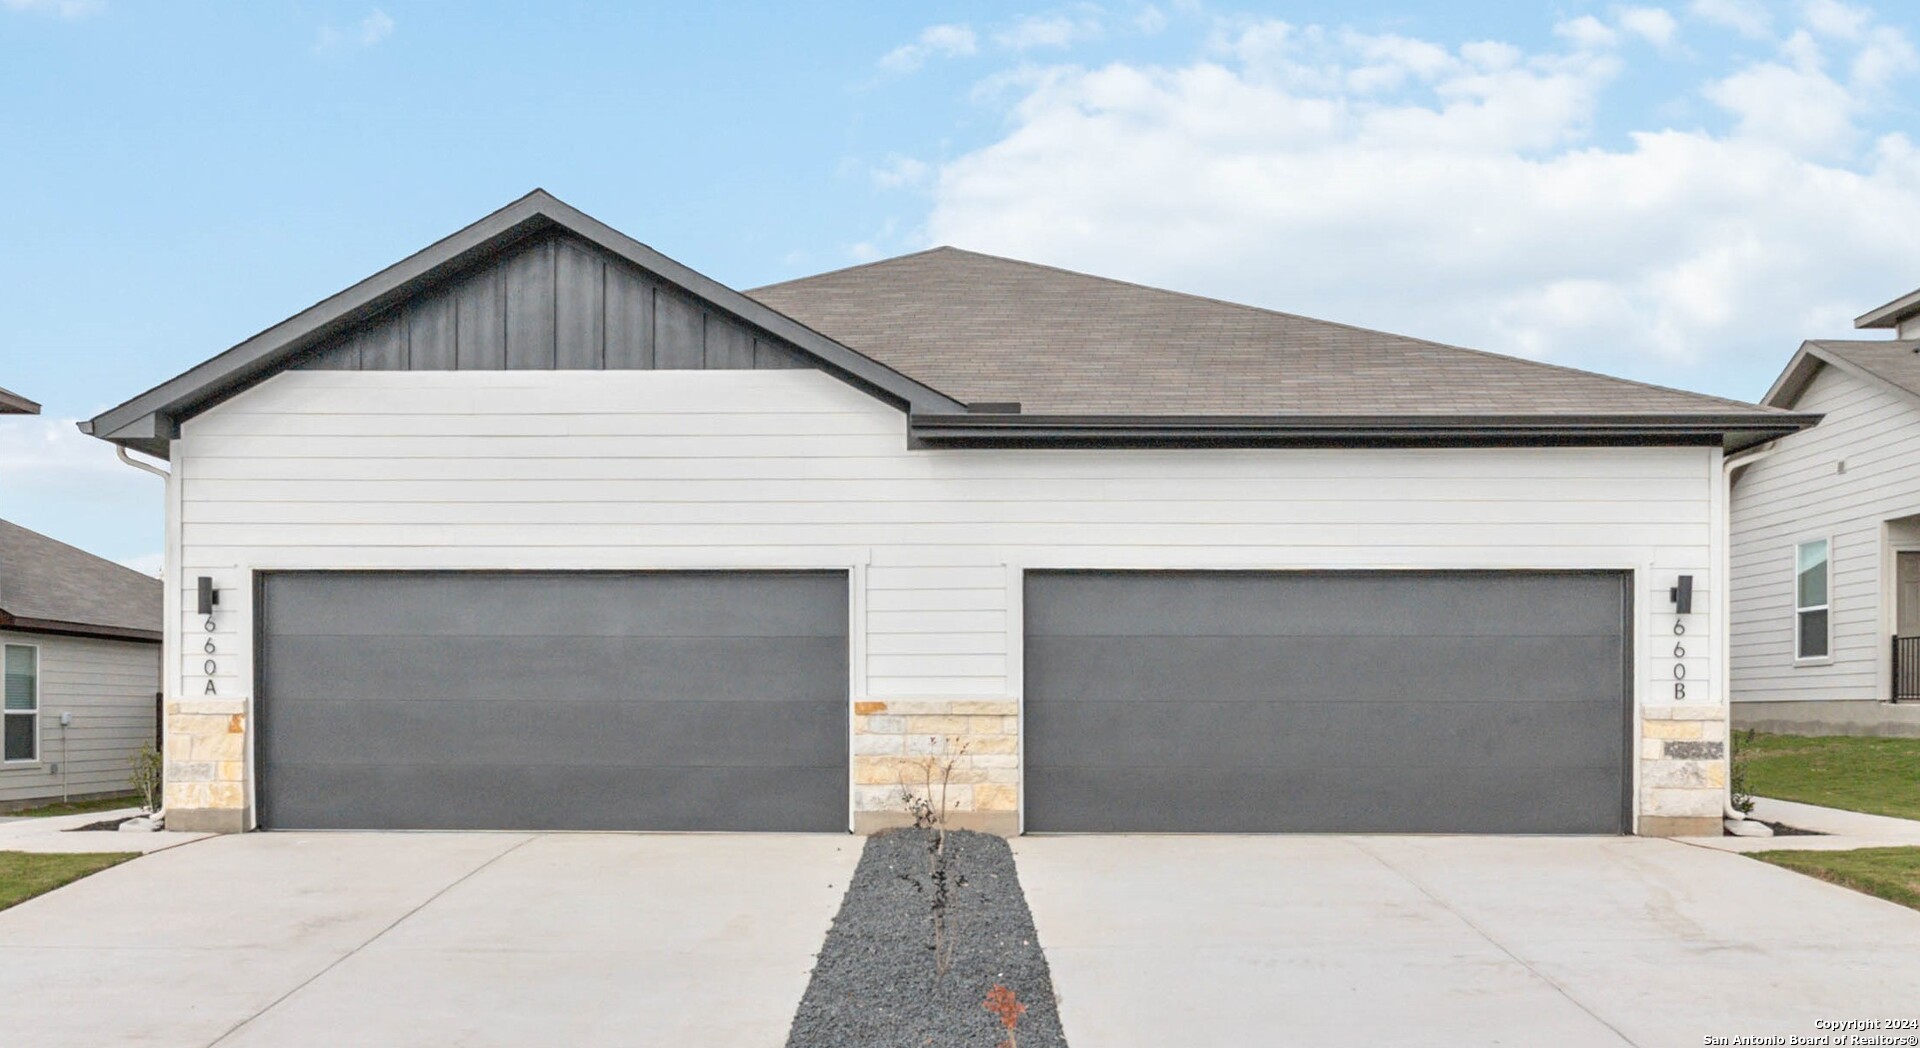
(12, 403)
(1893, 362)
(986, 350)
(1891, 314)
(49, 586)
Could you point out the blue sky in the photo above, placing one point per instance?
(1674, 192)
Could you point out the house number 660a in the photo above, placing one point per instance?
(1679, 668)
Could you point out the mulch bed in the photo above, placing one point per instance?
(875, 983)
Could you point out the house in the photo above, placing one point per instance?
(1826, 542)
(80, 638)
(12, 403)
(539, 528)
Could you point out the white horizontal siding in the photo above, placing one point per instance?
(108, 686)
(715, 469)
(1798, 493)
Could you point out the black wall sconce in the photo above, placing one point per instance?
(209, 597)
(1682, 595)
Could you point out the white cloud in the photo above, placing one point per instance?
(88, 496)
(1587, 32)
(367, 32)
(946, 41)
(1150, 20)
(145, 563)
(1056, 30)
(58, 8)
(1653, 24)
(1832, 18)
(900, 171)
(1749, 18)
(1466, 201)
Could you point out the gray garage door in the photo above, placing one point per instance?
(1448, 702)
(553, 700)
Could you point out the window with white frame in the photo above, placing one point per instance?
(1812, 586)
(21, 706)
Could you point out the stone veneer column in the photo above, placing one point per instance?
(895, 742)
(1683, 770)
(206, 765)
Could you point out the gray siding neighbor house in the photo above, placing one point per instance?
(80, 638)
(1826, 542)
(539, 528)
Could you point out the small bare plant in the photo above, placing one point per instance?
(929, 810)
(1739, 790)
(146, 767)
(1006, 1006)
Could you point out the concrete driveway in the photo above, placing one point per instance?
(292, 939)
(1438, 940)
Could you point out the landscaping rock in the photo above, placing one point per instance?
(140, 824)
(1748, 828)
(874, 982)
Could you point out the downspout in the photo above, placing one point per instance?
(121, 451)
(159, 813)
(1723, 604)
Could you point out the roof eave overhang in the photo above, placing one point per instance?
(149, 421)
(77, 629)
(1733, 432)
(1891, 314)
(12, 403)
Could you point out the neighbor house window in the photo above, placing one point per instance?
(22, 705)
(1811, 586)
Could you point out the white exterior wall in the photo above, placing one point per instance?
(1798, 493)
(745, 469)
(108, 686)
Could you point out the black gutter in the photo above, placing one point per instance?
(1732, 431)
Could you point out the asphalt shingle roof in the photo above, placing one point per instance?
(1896, 361)
(49, 581)
(982, 328)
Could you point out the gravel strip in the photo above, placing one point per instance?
(874, 984)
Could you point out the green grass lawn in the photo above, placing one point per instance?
(24, 875)
(125, 800)
(1892, 874)
(1879, 776)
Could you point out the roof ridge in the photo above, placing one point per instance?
(857, 266)
(1563, 368)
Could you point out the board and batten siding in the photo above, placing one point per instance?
(794, 469)
(1798, 493)
(108, 686)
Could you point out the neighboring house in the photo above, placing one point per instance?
(539, 528)
(80, 638)
(12, 403)
(1826, 542)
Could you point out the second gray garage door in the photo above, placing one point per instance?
(553, 700)
(1449, 702)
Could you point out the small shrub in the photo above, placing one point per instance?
(147, 767)
(1741, 743)
(928, 809)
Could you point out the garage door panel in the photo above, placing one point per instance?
(733, 733)
(563, 797)
(1446, 701)
(1327, 604)
(564, 604)
(1331, 737)
(1354, 669)
(1234, 800)
(408, 667)
(467, 700)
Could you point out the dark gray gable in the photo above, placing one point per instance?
(555, 302)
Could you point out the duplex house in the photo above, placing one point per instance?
(1826, 542)
(539, 528)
